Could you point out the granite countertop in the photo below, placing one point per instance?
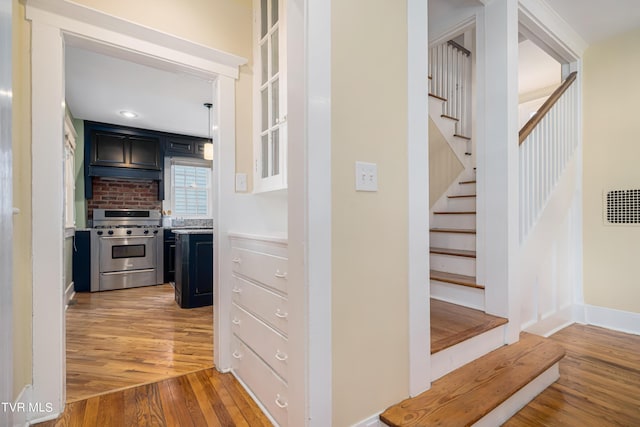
(192, 230)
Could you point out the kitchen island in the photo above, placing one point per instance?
(193, 267)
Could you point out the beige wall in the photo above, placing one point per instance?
(369, 230)
(21, 128)
(221, 24)
(611, 153)
(444, 166)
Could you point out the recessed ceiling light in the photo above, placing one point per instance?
(128, 114)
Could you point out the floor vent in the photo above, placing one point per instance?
(622, 207)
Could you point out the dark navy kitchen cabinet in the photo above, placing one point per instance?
(194, 270)
(169, 256)
(116, 149)
(81, 269)
(183, 146)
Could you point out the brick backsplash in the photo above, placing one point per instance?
(123, 194)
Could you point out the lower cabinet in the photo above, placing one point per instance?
(194, 270)
(81, 267)
(169, 256)
(260, 351)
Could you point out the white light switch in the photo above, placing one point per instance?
(241, 182)
(366, 176)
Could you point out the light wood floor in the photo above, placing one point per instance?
(599, 382)
(118, 339)
(199, 399)
(451, 324)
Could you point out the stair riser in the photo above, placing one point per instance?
(453, 241)
(457, 294)
(454, 221)
(453, 264)
(468, 189)
(462, 204)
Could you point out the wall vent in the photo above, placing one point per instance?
(622, 207)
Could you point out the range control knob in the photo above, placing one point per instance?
(128, 231)
(146, 231)
(99, 233)
(155, 231)
(110, 232)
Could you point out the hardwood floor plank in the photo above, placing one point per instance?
(111, 410)
(599, 382)
(249, 408)
(150, 394)
(206, 400)
(128, 337)
(169, 405)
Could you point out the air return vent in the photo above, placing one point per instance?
(622, 207)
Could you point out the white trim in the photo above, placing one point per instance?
(21, 418)
(257, 401)
(520, 399)
(372, 421)
(77, 24)
(69, 232)
(454, 31)
(618, 320)
(552, 324)
(69, 293)
(418, 197)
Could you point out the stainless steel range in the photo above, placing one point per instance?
(126, 249)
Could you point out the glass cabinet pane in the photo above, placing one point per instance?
(275, 102)
(264, 21)
(274, 12)
(274, 53)
(264, 55)
(265, 108)
(265, 155)
(275, 151)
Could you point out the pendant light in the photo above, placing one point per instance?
(208, 147)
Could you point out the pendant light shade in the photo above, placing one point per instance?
(208, 147)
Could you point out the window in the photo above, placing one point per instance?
(190, 189)
(69, 175)
(270, 117)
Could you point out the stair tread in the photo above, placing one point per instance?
(453, 230)
(433, 95)
(455, 213)
(446, 116)
(467, 394)
(467, 182)
(462, 136)
(455, 252)
(462, 196)
(456, 279)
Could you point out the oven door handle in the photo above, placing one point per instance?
(112, 273)
(127, 237)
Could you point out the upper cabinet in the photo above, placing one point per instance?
(123, 150)
(270, 118)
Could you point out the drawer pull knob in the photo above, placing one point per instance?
(281, 275)
(281, 356)
(236, 355)
(280, 404)
(235, 321)
(281, 314)
(236, 260)
(236, 290)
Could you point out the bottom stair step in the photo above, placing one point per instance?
(466, 395)
(456, 279)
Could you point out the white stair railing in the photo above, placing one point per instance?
(547, 143)
(450, 78)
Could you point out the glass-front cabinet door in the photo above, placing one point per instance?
(270, 116)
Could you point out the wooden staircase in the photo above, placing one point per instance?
(453, 249)
(485, 392)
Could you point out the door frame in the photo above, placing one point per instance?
(55, 23)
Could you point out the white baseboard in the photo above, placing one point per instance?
(551, 324)
(20, 417)
(372, 421)
(68, 294)
(618, 320)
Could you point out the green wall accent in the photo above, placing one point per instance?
(80, 201)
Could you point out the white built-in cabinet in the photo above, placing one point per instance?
(270, 96)
(260, 348)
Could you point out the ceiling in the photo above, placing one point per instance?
(536, 69)
(99, 87)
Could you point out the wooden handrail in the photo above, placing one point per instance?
(461, 48)
(542, 111)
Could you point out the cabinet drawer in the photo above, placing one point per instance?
(272, 347)
(268, 269)
(264, 304)
(270, 390)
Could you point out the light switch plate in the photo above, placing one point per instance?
(241, 182)
(366, 176)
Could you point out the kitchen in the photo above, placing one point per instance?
(144, 227)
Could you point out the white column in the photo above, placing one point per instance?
(498, 160)
(418, 161)
(47, 89)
